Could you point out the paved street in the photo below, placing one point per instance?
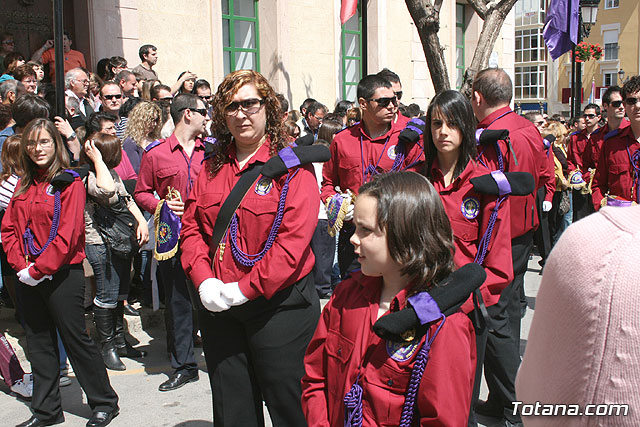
(140, 402)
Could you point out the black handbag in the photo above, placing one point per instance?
(117, 226)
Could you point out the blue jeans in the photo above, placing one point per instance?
(111, 273)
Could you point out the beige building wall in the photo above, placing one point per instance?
(299, 42)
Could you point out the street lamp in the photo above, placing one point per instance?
(621, 78)
(587, 18)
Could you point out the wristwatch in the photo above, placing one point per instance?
(72, 135)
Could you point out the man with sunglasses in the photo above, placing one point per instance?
(577, 159)
(613, 105)
(396, 87)
(111, 98)
(313, 119)
(368, 148)
(175, 162)
(617, 177)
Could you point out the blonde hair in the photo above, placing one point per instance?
(140, 124)
(556, 129)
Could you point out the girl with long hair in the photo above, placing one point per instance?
(143, 127)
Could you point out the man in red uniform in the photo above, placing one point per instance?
(613, 105)
(618, 171)
(368, 148)
(577, 158)
(175, 162)
(491, 95)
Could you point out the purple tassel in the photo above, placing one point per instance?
(353, 406)
(30, 247)
(635, 163)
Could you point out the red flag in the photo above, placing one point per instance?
(347, 10)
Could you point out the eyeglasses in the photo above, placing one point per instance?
(248, 106)
(630, 101)
(110, 97)
(398, 95)
(539, 122)
(320, 119)
(166, 98)
(201, 111)
(589, 116)
(84, 81)
(8, 42)
(206, 98)
(616, 104)
(384, 102)
(44, 143)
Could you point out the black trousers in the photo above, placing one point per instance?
(256, 351)
(502, 354)
(347, 260)
(178, 316)
(582, 205)
(324, 248)
(58, 303)
(542, 236)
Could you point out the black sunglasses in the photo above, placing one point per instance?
(109, 97)
(589, 116)
(384, 102)
(616, 104)
(248, 106)
(398, 95)
(206, 98)
(201, 111)
(631, 101)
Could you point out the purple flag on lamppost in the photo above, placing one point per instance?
(561, 29)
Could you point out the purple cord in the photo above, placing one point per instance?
(483, 245)
(249, 260)
(635, 164)
(409, 407)
(353, 406)
(30, 247)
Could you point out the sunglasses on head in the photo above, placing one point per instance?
(616, 104)
(384, 102)
(110, 97)
(589, 116)
(631, 100)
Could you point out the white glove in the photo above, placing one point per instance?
(546, 206)
(232, 295)
(209, 291)
(349, 215)
(25, 277)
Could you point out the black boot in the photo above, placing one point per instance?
(122, 345)
(103, 318)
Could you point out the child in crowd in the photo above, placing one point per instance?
(404, 244)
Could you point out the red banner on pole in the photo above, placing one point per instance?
(347, 10)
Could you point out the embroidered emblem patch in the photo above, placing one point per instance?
(470, 207)
(164, 232)
(263, 186)
(401, 352)
(391, 152)
(50, 191)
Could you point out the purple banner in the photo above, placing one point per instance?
(561, 29)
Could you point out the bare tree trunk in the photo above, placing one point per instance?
(426, 16)
(493, 20)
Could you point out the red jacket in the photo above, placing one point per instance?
(469, 225)
(289, 259)
(351, 148)
(165, 164)
(530, 156)
(615, 174)
(343, 339)
(35, 207)
(594, 146)
(577, 153)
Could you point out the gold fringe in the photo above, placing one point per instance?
(341, 214)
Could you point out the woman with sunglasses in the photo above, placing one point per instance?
(43, 235)
(256, 285)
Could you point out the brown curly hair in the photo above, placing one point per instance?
(226, 91)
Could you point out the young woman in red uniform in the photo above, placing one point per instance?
(43, 235)
(257, 285)
(450, 150)
(355, 378)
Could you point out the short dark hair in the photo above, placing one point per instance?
(592, 106)
(28, 107)
(109, 146)
(389, 75)
(412, 110)
(5, 116)
(342, 107)
(94, 121)
(123, 75)
(368, 85)
(145, 49)
(455, 109)
(631, 86)
(11, 56)
(305, 104)
(606, 96)
(495, 86)
(128, 105)
(25, 70)
(198, 84)
(328, 129)
(421, 243)
(284, 104)
(315, 107)
(182, 102)
(101, 68)
(153, 93)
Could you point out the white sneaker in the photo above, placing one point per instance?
(24, 387)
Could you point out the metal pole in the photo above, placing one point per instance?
(573, 81)
(59, 56)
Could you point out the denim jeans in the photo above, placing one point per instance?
(111, 273)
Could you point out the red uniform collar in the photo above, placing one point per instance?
(372, 287)
(436, 175)
(262, 155)
(493, 116)
(174, 143)
(381, 138)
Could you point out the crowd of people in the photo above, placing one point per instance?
(245, 213)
